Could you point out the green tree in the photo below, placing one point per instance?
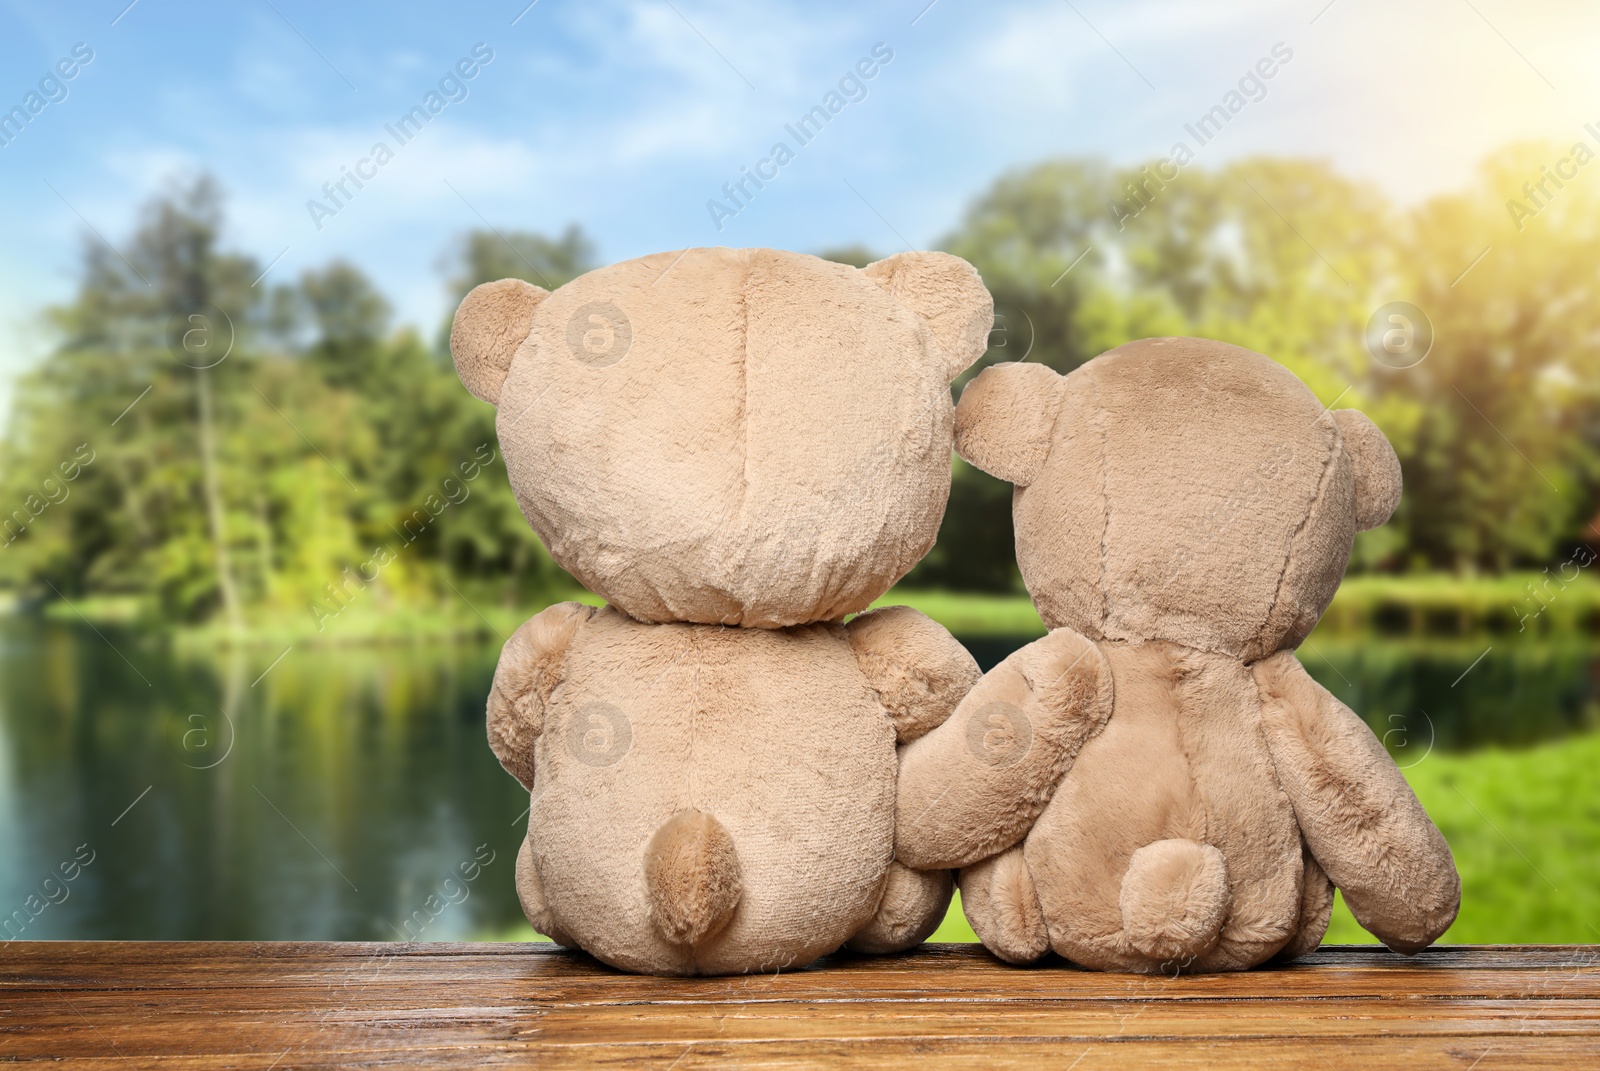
(1501, 469)
(482, 256)
(249, 453)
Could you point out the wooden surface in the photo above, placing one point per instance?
(281, 1006)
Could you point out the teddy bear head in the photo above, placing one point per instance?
(1179, 489)
(745, 437)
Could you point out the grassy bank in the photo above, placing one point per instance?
(1439, 602)
(1428, 603)
(972, 613)
(1423, 604)
(460, 619)
(364, 621)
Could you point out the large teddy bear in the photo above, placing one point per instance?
(736, 449)
(1157, 785)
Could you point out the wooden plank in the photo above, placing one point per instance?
(442, 1005)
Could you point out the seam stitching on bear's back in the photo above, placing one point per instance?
(1105, 505)
(1294, 540)
(1056, 433)
(738, 511)
(696, 650)
(1178, 687)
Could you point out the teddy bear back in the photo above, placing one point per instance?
(745, 437)
(1188, 490)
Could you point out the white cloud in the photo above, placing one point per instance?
(621, 116)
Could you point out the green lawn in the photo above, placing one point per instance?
(1525, 829)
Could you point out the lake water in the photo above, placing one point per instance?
(327, 796)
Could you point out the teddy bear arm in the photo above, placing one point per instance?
(973, 786)
(528, 671)
(1359, 817)
(918, 671)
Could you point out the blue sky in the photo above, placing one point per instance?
(628, 116)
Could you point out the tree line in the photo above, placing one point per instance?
(240, 449)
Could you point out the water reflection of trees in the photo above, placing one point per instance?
(1520, 693)
(375, 756)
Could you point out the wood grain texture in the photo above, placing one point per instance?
(283, 1006)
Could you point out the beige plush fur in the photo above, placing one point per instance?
(691, 873)
(1184, 512)
(771, 448)
(912, 906)
(999, 897)
(737, 449)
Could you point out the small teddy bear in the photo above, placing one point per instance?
(736, 449)
(1157, 785)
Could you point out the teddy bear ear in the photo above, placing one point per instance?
(491, 322)
(1377, 469)
(946, 292)
(1006, 419)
